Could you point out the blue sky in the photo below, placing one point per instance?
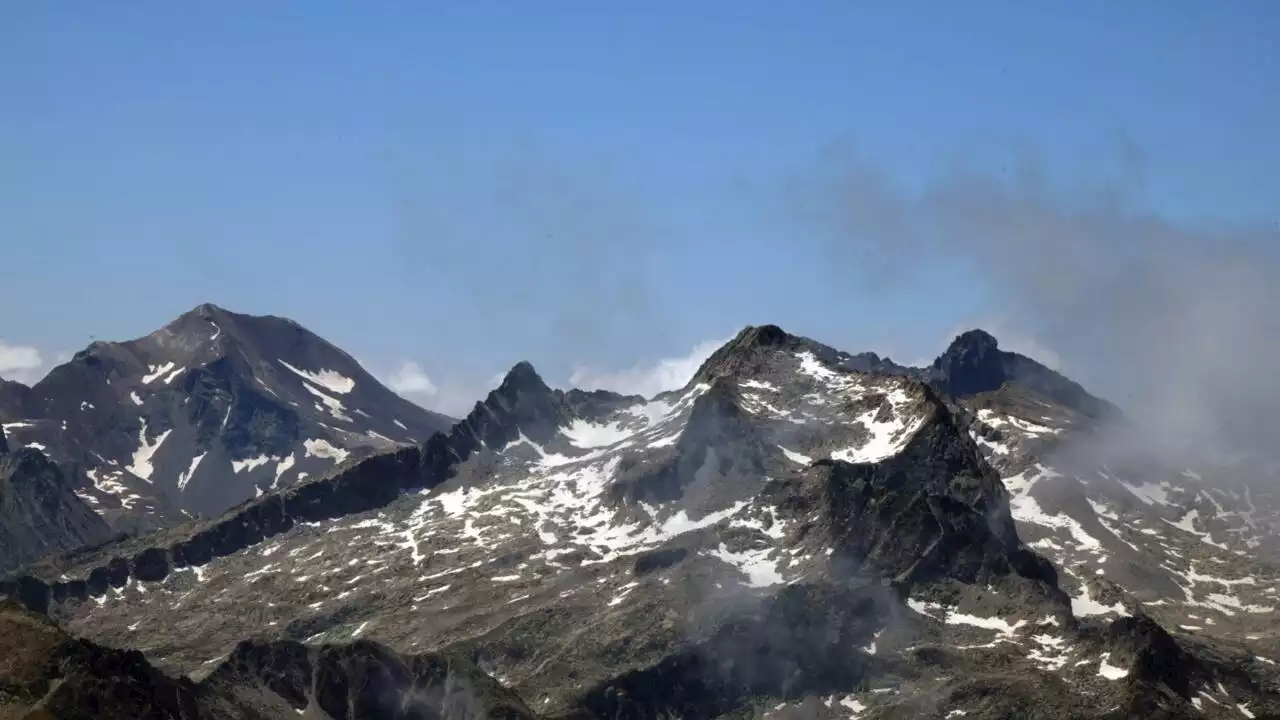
(589, 186)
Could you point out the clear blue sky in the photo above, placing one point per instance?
(569, 182)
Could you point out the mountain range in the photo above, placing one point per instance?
(796, 532)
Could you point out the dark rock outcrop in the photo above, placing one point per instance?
(934, 511)
(363, 680)
(48, 674)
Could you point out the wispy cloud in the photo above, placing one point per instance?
(449, 395)
(647, 379)
(22, 363)
(410, 379)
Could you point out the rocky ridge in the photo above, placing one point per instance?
(781, 536)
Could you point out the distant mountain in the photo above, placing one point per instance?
(39, 510)
(785, 536)
(207, 412)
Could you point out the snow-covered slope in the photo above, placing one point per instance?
(209, 411)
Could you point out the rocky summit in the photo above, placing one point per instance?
(796, 532)
(207, 412)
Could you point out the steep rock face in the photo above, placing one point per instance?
(39, 511)
(212, 409)
(935, 510)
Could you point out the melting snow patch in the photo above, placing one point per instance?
(622, 593)
(323, 449)
(336, 408)
(328, 379)
(755, 564)
(587, 435)
(184, 478)
(1110, 672)
(795, 457)
(134, 397)
(249, 463)
(887, 437)
(156, 372)
(871, 647)
(990, 623)
(141, 465)
(1027, 510)
(281, 467)
(853, 706)
(1150, 493)
(1085, 606)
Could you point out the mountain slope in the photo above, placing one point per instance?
(206, 412)
(782, 536)
(39, 511)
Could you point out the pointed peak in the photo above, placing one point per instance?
(207, 310)
(522, 376)
(521, 404)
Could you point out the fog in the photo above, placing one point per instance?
(1175, 322)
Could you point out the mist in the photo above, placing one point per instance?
(1175, 322)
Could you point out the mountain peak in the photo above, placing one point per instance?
(744, 351)
(974, 363)
(522, 377)
(207, 310)
(975, 340)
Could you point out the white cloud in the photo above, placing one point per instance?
(21, 362)
(647, 380)
(450, 396)
(411, 379)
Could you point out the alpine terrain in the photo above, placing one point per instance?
(798, 532)
(207, 412)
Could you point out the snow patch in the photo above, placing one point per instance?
(156, 372)
(315, 447)
(249, 464)
(141, 465)
(185, 477)
(328, 379)
(1108, 671)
